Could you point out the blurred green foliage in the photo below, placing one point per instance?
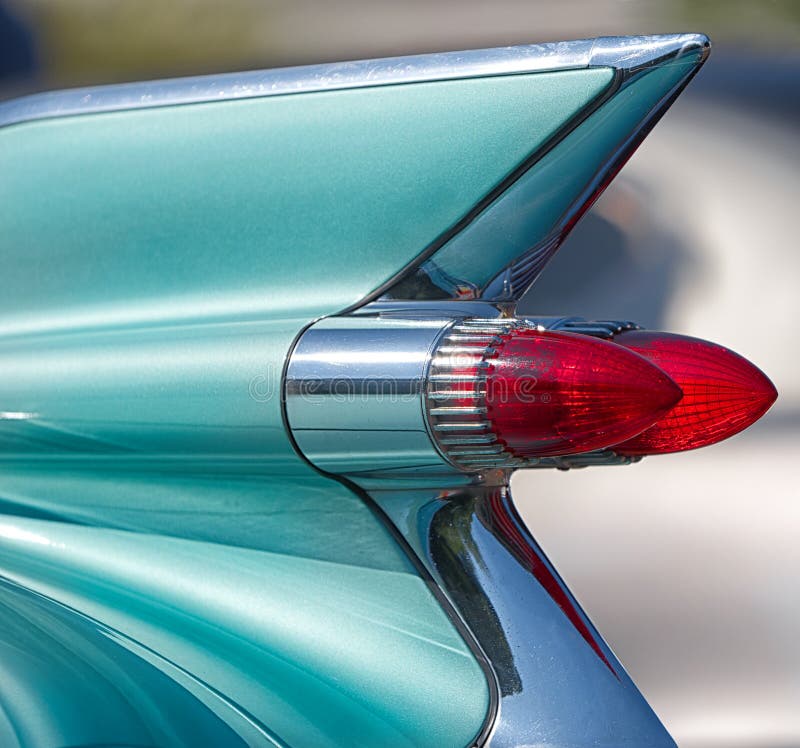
(88, 41)
(83, 40)
(758, 23)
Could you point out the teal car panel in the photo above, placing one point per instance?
(77, 682)
(86, 453)
(167, 391)
(314, 652)
(155, 519)
(212, 502)
(241, 208)
(159, 264)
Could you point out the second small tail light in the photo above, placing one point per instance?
(723, 393)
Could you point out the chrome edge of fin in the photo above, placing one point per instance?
(519, 276)
(300, 79)
(633, 53)
(626, 53)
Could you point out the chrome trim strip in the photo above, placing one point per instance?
(598, 328)
(634, 53)
(301, 79)
(600, 457)
(624, 53)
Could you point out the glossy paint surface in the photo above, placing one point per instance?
(169, 565)
(241, 208)
(143, 606)
(64, 666)
(158, 265)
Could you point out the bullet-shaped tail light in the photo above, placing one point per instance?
(505, 396)
(723, 393)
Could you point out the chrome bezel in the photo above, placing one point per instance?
(462, 433)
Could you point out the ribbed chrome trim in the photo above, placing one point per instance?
(461, 432)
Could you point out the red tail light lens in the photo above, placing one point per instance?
(551, 393)
(723, 393)
(502, 394)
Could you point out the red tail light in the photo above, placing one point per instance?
(723, 393)
(508, 398)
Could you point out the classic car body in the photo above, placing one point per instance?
(229, 516)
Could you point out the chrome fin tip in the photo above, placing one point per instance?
(633, 53)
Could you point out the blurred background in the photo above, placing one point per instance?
(688, 564)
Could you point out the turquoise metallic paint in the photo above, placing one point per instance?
(546, 191)
(237, 504)
(310, 650)
(151, 501)
(241, 208)
(183, 391)
(63, 665)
